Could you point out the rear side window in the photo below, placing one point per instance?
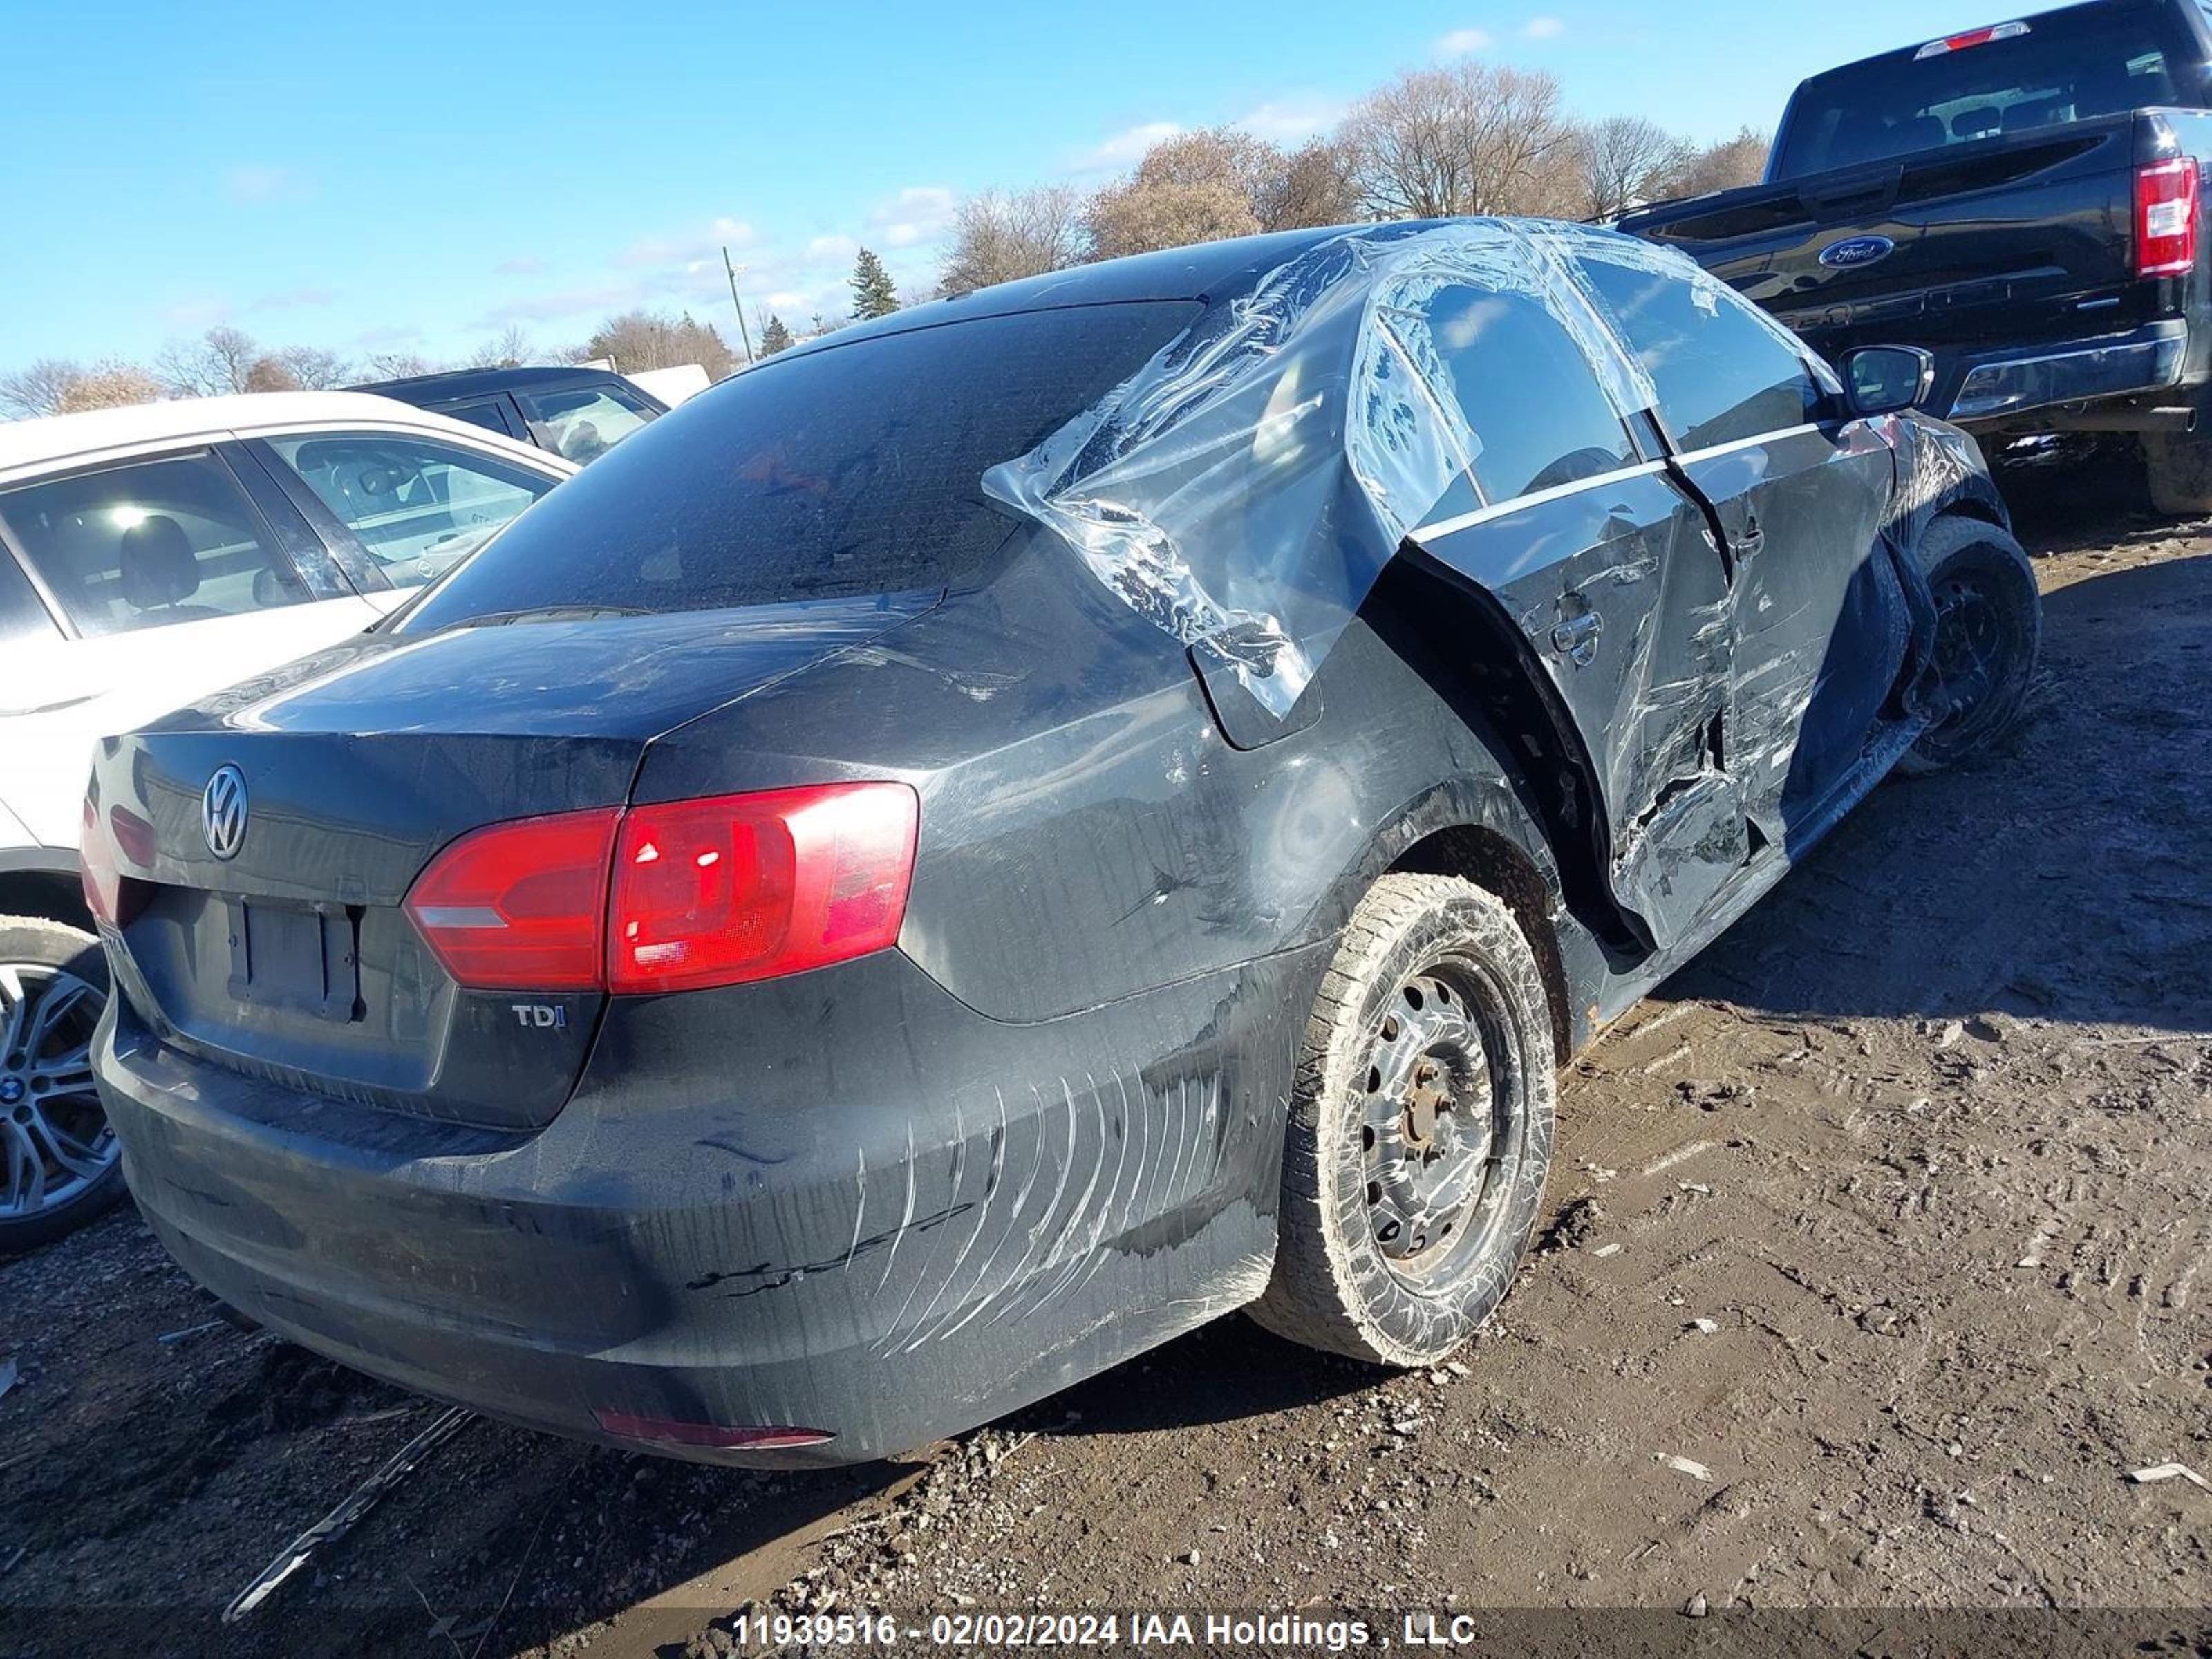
(23, 617)
(2068, 66)
(417, 506)
(489, 413)
(849, 471)
(144, 545)
(582, 425)
(1529, 394)
(1722, 371)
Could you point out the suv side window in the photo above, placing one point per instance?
(148, 544)
(1529, 395)
(23, 615)
(418, 505)
(584, 424)
(1722, 371)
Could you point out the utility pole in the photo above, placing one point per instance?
(744, 334)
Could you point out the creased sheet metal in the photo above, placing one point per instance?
(1245, 488)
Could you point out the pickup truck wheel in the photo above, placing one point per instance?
(59, 1162)
(1420, 1129)
(1989, 629)
(2178, 465)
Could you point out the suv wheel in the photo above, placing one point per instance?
(2178, 467)
(1421, 1133)
(1988, 629)
(59, 1162)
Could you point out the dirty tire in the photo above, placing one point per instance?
(39, 957)
(1989, 632)
(2178, 468)
(1337, 1286)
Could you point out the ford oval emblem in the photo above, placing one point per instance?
(1856, 251)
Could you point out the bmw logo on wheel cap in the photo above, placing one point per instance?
(222, 811)
(1854, 250)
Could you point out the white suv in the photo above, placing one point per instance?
(148, 556)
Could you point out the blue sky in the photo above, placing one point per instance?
(417, 177)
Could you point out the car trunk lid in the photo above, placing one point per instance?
(289, 955)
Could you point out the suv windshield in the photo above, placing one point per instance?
(2068, 66)
(853, 470)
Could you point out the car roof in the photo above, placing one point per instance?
(1209, 272)
(465, 382)
(56, 438)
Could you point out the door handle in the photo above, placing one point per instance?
(1576, 639)
(1753, 539)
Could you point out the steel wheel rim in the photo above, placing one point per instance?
(1971, 646)
(1441, 1129)
(55, 1141)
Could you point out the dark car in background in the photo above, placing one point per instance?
(1011, 831)
(577, 413)
(2025, 200)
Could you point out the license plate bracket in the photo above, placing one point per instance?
(295, 957)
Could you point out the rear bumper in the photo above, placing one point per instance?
(744, 1219)
(2010, 386)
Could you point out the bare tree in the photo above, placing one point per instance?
(1313, 187)
(110, 386)
(652, 339)
(1624, 159)
(41, 389)
(220, 360)
(997, 238)
(313, 369)
(1729, 165)
(509, 349)
(1464, 137)
(396, 365)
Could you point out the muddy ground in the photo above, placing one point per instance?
(1889, 1219)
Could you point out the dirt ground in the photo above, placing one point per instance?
(1877, 1262)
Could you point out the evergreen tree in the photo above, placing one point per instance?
(774, 337)
(872, 294)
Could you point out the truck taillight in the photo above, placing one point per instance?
(672, 896)
(1951, 43)
(2168, 210)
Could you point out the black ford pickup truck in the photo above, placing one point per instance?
(2024, 201)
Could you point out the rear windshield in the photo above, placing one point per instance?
(2069, 66)
(855, 469)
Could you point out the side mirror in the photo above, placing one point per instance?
(1883, 380)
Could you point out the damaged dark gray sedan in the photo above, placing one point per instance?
(1015, 830)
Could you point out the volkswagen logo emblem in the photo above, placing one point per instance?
(1856, 251)
(222, 811)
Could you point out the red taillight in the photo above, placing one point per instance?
(519, 906)
(2166, 213)
(746, 887)
(675, 894)
(655, 1430)
(107, 892)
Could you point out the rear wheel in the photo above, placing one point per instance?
(59, 1162)
(1420, 1134)
(1988, 629)
(2178, 467)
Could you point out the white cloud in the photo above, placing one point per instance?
(262, 183)
(918, 214)
(690, 244)
(826, 250)
(1543, 28)
(1460, 42)
(1125, 147)
(1291, 120)
(197, 311)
